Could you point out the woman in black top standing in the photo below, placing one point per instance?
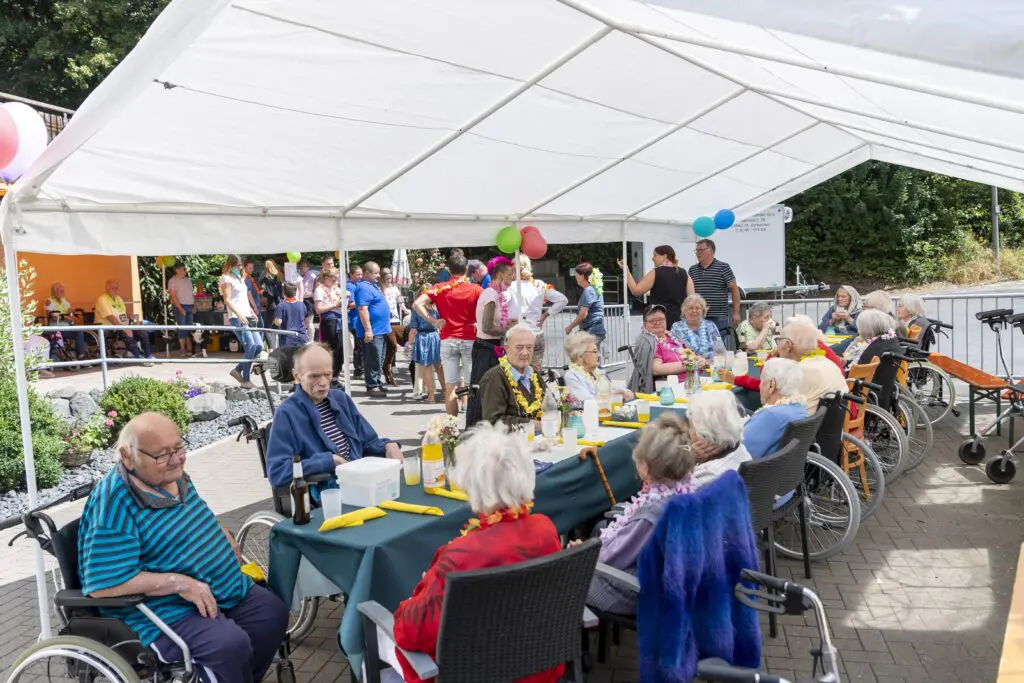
(667, 283)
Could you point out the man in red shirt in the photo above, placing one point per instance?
(456, 307)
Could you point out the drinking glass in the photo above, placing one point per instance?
(643, 411)
(411, 470)
(330, 499)
(569, 437)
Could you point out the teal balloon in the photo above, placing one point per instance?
(724, 219)
(509, 239)
(704, 226)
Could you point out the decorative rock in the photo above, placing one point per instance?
(257, 395)
(97, 395)
(206, 407)
(83, 405)
(65, 393)
(218, 388)
(61, 406)
(235, 394)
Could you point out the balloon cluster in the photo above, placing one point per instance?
(528, 240)
(166, 261)
(705, 226)
(23, 138)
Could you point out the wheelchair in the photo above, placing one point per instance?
(927, 383)
(92, 647)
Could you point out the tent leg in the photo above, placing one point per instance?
(519, 285)
(625, 285)
(343, 254)
(21, 380)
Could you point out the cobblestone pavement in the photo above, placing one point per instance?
(921, 596)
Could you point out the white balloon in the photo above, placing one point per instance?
(32, 139)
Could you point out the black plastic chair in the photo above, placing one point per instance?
(766, 479)
(805, 432)
(534, 609)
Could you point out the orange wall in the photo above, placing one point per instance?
(84, 277)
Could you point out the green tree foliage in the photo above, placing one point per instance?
(57, 51)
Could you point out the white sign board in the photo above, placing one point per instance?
(756, 249)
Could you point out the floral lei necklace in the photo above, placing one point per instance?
(784, 401)
(442, 287)
(650, 493)
(530, 409)
(485, 520)
(502, 302)
(812, 354)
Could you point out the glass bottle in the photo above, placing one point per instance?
(300, 493)
(551, 414)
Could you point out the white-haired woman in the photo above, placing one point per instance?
(664, 463)
(696, 332)
(716, 432)
(910, 311)
(496, 471)
(821, 374)
(581, 378)
(875, 336)
(781, 403)
(757, 332)
(880, 300)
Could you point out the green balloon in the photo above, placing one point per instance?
(167, 261)
(294, 256)
(509, 239)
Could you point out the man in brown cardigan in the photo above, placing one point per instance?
(506, 388)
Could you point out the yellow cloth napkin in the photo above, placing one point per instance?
(399, 506)
(654, 398)
(445, 493)
(585, 442)
(354, 518)
(716, 385)
(836, 338)
(253, 571)
(626, 425)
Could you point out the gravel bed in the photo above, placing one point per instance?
(200, 434)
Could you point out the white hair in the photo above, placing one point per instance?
(715, 418)
(128, 441)
(494, 468)
(759, 308)
(696, 299)
(525, 267)
(914, 305)
(803, 333)
(788, 375)
(873, 323)
(519, 328)
(878, 300)
(576, 344)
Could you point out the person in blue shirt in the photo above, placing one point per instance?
(372, 325)
(477, 272)
(355, 276)
(590, 317)
(145, 530)
(444, 275)
(319, 424)
(290, 315)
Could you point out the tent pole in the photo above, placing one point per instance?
(163, 297)
(995, 222)
(519, 286)
(21, 380)
(344, 318)
(625, 280)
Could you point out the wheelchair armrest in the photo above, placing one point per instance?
(75, 598)
(375, 613)
(317, 478)
(618, 577)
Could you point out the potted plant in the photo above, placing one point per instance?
(84, 437)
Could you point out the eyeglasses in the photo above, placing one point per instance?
(701, 250)
(162, 458)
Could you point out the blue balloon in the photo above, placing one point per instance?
(704, 226)
(724, 219)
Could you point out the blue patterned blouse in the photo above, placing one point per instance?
(701, 341)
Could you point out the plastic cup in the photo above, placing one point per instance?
(411, 470)
(672, 379)
(330, 499)
(569, 437)
(643, 411)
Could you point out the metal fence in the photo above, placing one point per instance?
(969, 341)
(620, 332)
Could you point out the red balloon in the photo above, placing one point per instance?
(528, 229)
(534, 245)
(8, 138)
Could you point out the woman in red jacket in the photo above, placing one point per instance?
(496, 471)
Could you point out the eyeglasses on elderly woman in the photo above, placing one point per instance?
(162, 457)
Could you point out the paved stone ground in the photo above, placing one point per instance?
(921, 596)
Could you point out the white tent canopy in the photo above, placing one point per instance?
(273, 125)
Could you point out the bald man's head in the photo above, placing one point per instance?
(314, 370)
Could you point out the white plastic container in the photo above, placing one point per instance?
(368, 481)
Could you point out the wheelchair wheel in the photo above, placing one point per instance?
(884, 434)
(871, 485)
(71, 658)
(971, 453)
(254, 540)
(920, 436)
(833, 513)
(930, 386)
(1001, 471)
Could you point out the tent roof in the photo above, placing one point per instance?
(267, 125)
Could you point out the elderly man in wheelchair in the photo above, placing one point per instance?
(163, 574)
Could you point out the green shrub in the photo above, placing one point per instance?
(132, 395)
(47, 428)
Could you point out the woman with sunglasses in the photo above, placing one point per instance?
(666, 284)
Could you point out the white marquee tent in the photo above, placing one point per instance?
(274, 125)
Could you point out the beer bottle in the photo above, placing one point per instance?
(300, 493)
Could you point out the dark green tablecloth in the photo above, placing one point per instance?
(384, 559)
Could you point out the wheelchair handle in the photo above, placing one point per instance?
(938, 324)
(721, 672)
(853, 398)
(624, 348)
(768, 581)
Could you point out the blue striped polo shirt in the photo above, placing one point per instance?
(120, 536)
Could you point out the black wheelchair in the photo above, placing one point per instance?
(92, 647)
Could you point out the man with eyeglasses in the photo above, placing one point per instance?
(714, 280)
(513, 391)
(319, 424)
(145, 530)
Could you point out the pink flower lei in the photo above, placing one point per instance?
(500, 289)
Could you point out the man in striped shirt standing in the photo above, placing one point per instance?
(146, 531)
(714, 280)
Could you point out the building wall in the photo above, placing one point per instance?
(85, 277)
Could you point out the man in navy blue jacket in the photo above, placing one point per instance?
(319, 424)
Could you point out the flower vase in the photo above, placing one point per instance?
(692, 382)
(448, 451)
(576, 420)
